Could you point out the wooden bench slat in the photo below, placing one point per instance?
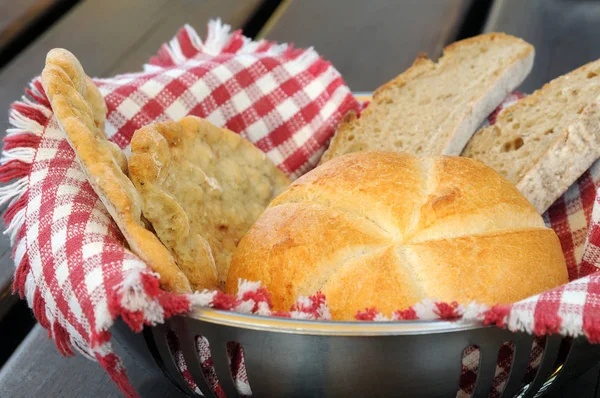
(37, 369)
(369, 42)
(235, 13)
(563, 32)
(18, 16)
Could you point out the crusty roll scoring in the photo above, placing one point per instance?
(387, 230)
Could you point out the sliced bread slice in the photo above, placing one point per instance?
(434, 108)
(547, 140)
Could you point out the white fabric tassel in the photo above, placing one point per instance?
(381, 318)
(23, 154)
(473, 311)
(10, 193)
(30, 285)
(135, 298)
(425, 310)
(14, 189)
(23, 125)
(202, 299)
(520, 323)
(245, 307)
(571, 325)
(14, 227)
(218, 37)
(246, 286)
(324, 313)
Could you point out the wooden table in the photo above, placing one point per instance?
(563, 32)
(370, 42)
(36, 369)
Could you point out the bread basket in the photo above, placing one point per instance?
(281, 357)
(304, 358)
(300, 358)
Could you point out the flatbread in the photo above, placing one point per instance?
(202, 187)
(80, 111)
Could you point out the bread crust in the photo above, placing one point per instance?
(202, 188)
(478, 108)
(389, 229)
(565, 161)
(575, 144)
(80, 112)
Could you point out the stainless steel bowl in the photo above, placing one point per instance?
(299, 358)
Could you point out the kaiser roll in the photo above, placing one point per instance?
(387, 230)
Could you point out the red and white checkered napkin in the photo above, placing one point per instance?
(72, 264)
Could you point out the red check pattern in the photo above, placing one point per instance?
(72, 264)
(77, 275)
(286, 101)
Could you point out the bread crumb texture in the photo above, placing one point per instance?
(202, 188)
(545, 141)
(434, 108)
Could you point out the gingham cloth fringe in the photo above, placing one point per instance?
(77, 275)
(72, 264)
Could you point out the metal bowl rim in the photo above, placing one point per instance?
(330, 328)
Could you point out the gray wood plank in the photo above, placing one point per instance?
(170, 19)
(564, 33)
(369, 42)
(37, 369)
(109, 36)
(12, 11)
(16, 16)
(105, 34)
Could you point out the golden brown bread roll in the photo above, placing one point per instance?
(388, 230)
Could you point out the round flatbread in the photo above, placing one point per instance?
(80, 111)
(203, 187)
